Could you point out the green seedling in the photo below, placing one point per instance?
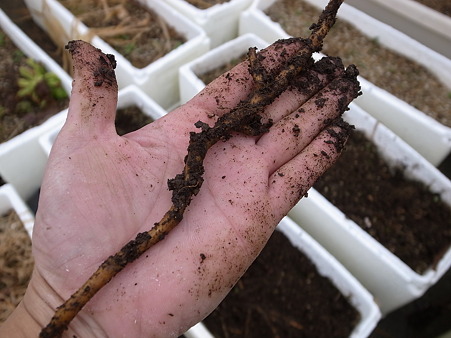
(37, 84)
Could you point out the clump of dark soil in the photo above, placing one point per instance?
(130, 119)
(19, 113)
(282, 295)
(398, 75)
(16, 263)
(204, 4)
(402, 214)
(135, 31)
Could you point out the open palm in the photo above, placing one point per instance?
(101, 189)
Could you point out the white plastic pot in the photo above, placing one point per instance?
(420, 22)
(220, 21)
(10, 200)
(21, 160)
(405, 120)
(158, 79)
(392, 282)
(191, 84)
(330, 268)
(129, 96)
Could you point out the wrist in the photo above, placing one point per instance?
(37, 308)
(27, 319)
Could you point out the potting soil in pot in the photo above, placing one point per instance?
(135, 31)
(282, 295)
(204, 4)
(130, 119)
(402, 214)
(386, 69)
(21, 110)
(16, 262)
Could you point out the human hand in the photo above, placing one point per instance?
(101, 189)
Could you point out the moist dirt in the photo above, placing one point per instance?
(204, 4)
(282, 295)
(400, 213)
(130, 119)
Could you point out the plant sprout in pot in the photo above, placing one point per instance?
(30, 93)
(236, 158)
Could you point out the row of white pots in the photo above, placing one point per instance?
(405, 120)
(220, 22)
(390, 280)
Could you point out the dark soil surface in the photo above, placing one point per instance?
(18, 114)
(442, 6)
(282, 295)
(130, 119)
(16, 262)
(204, 4)
(398, 75)
(136, 32)
(403, 215)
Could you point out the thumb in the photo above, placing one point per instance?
(92, 107)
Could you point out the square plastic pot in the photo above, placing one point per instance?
(405, 120)
(160, 78)
(392, 282)
(128, 96)
(10, 200)
(21, 160)
(330, 268)
(220, 21)
(191, 84)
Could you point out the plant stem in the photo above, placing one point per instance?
(244, 118)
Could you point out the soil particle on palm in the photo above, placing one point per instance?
(16, 263)
(282, 295)
(135, 31)
(204, 4)
(398, 75)
(402, 214)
